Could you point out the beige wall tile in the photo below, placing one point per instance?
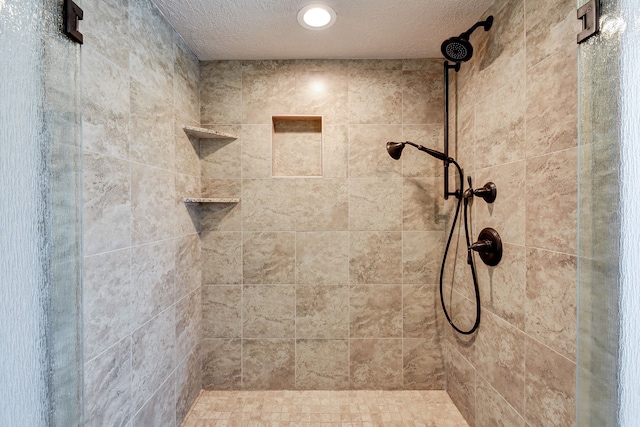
(186, 90)
(322, 258)
(186, 148)
(321, 204)
(268, 364)
(152, 204)
(419, 165)
(187, 216)
(423, 364)
(221, 364)
(268, 258)
(324, 93)
(188, 264)
(256, 150)
(492, 409)
(322, 312)
(267, 205)
(461, 384)
(188, 325)
(221, 92)
(422, 256)
(266, 94)
(368, 157)
(375, 311)
(420, 307)
(375, 96)
(375, 257)
(109, 35)
(222, 258)
(221, 312)
(422, 204)
(297, 148)
(551, 25)
(268, 311)
(423, 96)
(375, 204)
(336, 150)
(221, 158)
(375, 364)
(322, 364)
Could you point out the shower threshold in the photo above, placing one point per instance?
(362, 408)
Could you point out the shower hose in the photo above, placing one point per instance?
(460, 196)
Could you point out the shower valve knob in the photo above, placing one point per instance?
(488, 246)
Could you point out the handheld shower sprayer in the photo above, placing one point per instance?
(395, 150)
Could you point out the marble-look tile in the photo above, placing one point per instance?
(322, 311)
(268, 258)
(322, 258)
(297, 148)
(160, 409)
(322, 204)
(500, 125)
(368, 157)
(551, 186)
(267, 205)
(500, 358)
(107, 387)
(461, 384)
(375, 96)
(336, 150)
(221, 216)
(151, 128)
(551, 300)
(423, 96)
(375, 311)
(492, 409)
(221, 364)
(420, 165)
(375, 257)
(462, 141)
(188, 324)
(256, 150)
(188, 384)
(503, 287)
(268, 364)
(322, 364)
(106, 296)
(462, 313)
(188, 265)
(375, 64)
(324, 93)
(152, 204)
(268, 311)
(375, 364)
(420, 308)
(551, 26)
(109, 33)
(375, 204)
(153, 356)
(423, 364)
(220, 92)
(152, 56)
(422, 256)
(221, 158)
(186, 91)
(550, 387)
(186, 148)
(222, 311)
(187, 216)
(551, 120)
(507, 213)
(221, 257)
(422, 204)
(105, 114)
(423, 64)
(267, 93)
(107, 203)
(153, 273)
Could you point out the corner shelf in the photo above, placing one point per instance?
(200, 200)
(204, 133)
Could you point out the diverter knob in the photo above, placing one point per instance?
(488, 246)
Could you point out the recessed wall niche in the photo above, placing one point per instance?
(296, 146)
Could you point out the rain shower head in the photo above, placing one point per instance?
(395, 150)
(459, 49)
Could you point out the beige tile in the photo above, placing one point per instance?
(551, 26)
(221, 258)
(186, 148)
(552, 99)
(268, 258)
(375, 258)
(152, 204)
(267, 205)
(422, 256)
(375, 311)
(336, 150)
(256, 150)
(461, 385)
(187, 216)
(188, 325)
(220, 92)
(268, 311)
(221, 364)
(222, 312)
(423, 96)
(375, 364)
(221, 216)
(551, 187)
(462, 141)
(421, 165)
(420, 307)
(550, 387)
(368, 157)
(551, 300)
(321, 204)
(297, 148)
(322, 312)
(188, 264)
(492, 409)
(221, 158)
(110, 33)
(423, 364)
(423, 204)
(325, 93)
(268, 364)
(375, 204)
(375, 96)
(267, 93)
(188, 384)
(186, 91)
(322, 364)
(500, 358)
(375, 64)
(462, 313)
(322, 258)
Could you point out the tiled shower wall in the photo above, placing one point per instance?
(517, 127)
(141, 268)
(326, 282)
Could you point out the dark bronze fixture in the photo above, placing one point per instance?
(458, 49)
(488, 246)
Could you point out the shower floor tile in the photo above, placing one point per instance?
(324, 408)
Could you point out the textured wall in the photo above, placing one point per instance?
(141, 266)
(517, 127)
(323, 283)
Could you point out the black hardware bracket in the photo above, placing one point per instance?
(72, 15)
(590, 16)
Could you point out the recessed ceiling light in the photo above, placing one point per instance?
(316, 17)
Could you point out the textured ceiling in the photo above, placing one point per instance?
(268, 29)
